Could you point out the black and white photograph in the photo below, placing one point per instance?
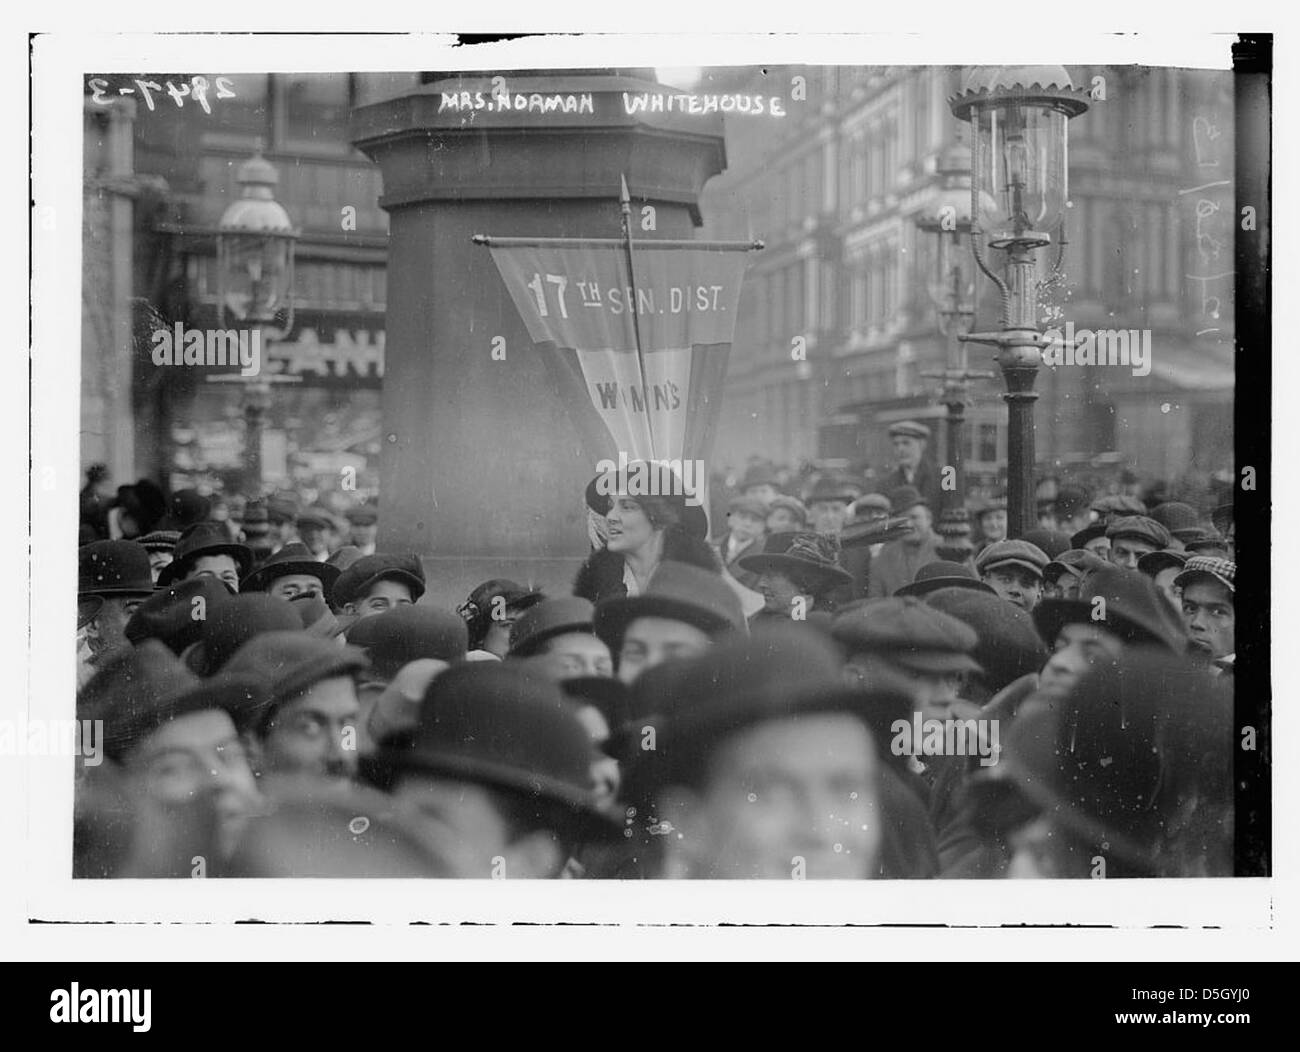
(550, 461)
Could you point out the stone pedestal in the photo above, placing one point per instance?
(483, 471)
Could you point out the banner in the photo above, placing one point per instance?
(585, 317)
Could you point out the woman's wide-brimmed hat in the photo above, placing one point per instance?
(804, 556)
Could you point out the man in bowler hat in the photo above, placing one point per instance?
(113, 579)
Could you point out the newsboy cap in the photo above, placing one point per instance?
(909, 429)
(909, 633)
(1008, 645)
(1222, 570)
(1141, 528)
(354, 582)
(290, 662)
(175, 615)
(1012, 553)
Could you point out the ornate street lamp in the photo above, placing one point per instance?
(255, 285)
(947, 217)
(1019, 187)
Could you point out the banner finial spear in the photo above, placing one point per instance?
(625, 199)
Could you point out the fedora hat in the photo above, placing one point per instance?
(146, 686)
(202, 539)
(113, 568)
(231, 624)
(408, 633)
(495, 724)
(757, 475)
(354, 582)
(694, 521)
(290, 560)
(942, 574)
(547, 619)
(804, 556)
(677, 592)
(1131, 608)
(177, 614)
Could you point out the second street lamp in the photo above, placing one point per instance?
(947, 218)
(1018, 119)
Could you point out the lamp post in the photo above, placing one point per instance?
(255, 278)
(1019, 137)
(947, 218)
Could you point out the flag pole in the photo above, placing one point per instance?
(625, 207)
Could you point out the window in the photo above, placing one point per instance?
(312, 110)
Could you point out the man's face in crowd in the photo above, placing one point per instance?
(1126, 551)
(222, 567)
(828, 516)
(293, 585)
(314, 733)
(764, 491)
(933, 693)
(994, 525)
(1164, 582)
(199, 752)
(745, 527)
(383, 596)
(106, 632)
(573, 654)
(783, 520)
(919, 516)
(461, 825)
(783, 796)
(283, 532)
(650, 641)
(1078, 647)
(157, 561)
(1099, 546)
(780, 592)
(364, 536)
(908, 451)
(1016, 585)
(629, 526)
(315, 539)
(1209, 615)
(605, 776)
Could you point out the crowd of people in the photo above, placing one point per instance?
(825, 688)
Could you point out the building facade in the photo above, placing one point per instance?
(834, 190)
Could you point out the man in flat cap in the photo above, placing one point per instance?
(364, 526)
(1208, 598)
(314, 526)
(904, 643)
(746, 525)
(990, 517)
(307, 725)
(829, 501)
(176, 740)
(376, 583)
(1013, 569)
(1133, 536)
(786, 514)
(682, 613)
(558, 638)
(898, 560)
(911, 468)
